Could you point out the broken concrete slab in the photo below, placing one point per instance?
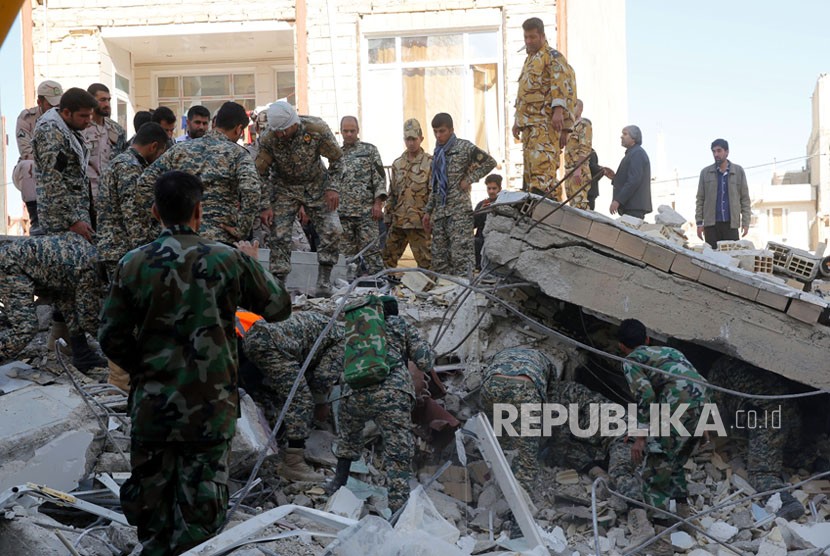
(252, 435)
(344, 503)
(28, 536)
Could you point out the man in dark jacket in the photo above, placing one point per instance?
(632, 180)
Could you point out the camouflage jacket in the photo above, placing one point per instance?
(104, 142)
(169, 321)
(546, 81)
(579, 143)
(62, 264)
(294, 337)
(363, 180)
(408, 191)
(232, 186)
(116, 206)
(60, 167)
(296, 164)
(649, 386)
(404, 343)
(524, 362)
(467, 162)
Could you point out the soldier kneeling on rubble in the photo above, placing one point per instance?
(379, 343)
(279, 350)
(64, 267)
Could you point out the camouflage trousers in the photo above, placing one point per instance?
(358, 232)
(326, 223)
(572, 185)
(279, 373)
(453, 244)
(663, 474)
(626, 479)
(17, 293)
(418, 240)
(391, 411)
(177, 494)
(499, 389)
(299, 241)
(540, 155)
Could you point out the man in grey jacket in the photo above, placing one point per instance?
(632, 180)
(723, 203)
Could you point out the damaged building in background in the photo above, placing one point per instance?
(556, 279)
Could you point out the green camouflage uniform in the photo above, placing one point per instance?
(105, 142)
(279, 350)
(453, 249)
(663, 476)
(363, 182)
(767, 445)
(293, 175)
(232, 186)
(117, 209)
(578, 147)
(169, 321)
(61, 266)
(61, 159)
(389, 404)
(546, 81)
(408, 194)
(506, 382)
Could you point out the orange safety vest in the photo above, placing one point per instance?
(244, 321)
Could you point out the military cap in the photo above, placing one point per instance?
(411, 128)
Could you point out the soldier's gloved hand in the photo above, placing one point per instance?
(82, 229)
(332, 199)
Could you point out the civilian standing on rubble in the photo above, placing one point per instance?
(232, 187)
(169, 322)
(389, 403)
(362, 193)
(293, 176)
(408, 194)
(456, 165)
(279, 351)
(493, 184)
(104, 137)
(48, 96)
(664, 478)
(723, 204)
(545, 107)
(198, 123)
(632, 180)
(577, 148)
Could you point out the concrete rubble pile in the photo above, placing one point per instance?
(73, 438)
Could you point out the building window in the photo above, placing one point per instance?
(777, 219)
(285, 86)
(457, 72)
(180, 92)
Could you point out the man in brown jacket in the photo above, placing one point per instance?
(723, 203)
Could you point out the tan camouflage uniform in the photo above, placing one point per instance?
(453, 250)
(23, 175)
(293, 175)
(105, 142)
(546, 81)
(408, 194)
(578, 147)
(232, 187)
(363, 182)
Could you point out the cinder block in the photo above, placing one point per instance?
(631, 245)
(804, 311)
(659, 257)
(575, 223)
(774, 300)
(683, 266)
(604, 234)
(713, 279)
(741, 289)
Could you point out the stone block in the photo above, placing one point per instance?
(659, 257)
(741, 289)
(631, 245)
(544, 213)
(713, 279)
(772, 299)
(575, 223)
(683, 266)
(604, 234)
(804, 311)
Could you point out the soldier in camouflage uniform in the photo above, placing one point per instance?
(362, 193)
(766, 444)
(578, 147)
(169, 322)
(232, 186)
(456, 165)
(408, 194)
(61, 159)
(279, 351)
(664, 477)
(104, 137)
(117, 195)
(544, 108)
(518, 376)
(62, 266)
(294, 176)
(48, 96)
(389, 404)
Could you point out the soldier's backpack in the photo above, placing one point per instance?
(364, 355)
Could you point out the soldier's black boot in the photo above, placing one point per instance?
(341, 476)
(35, 229)
(84, 357)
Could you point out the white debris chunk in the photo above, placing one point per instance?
(722, 531)
(668, 216)
(682, 540)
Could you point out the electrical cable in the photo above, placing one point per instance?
(773, 163)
